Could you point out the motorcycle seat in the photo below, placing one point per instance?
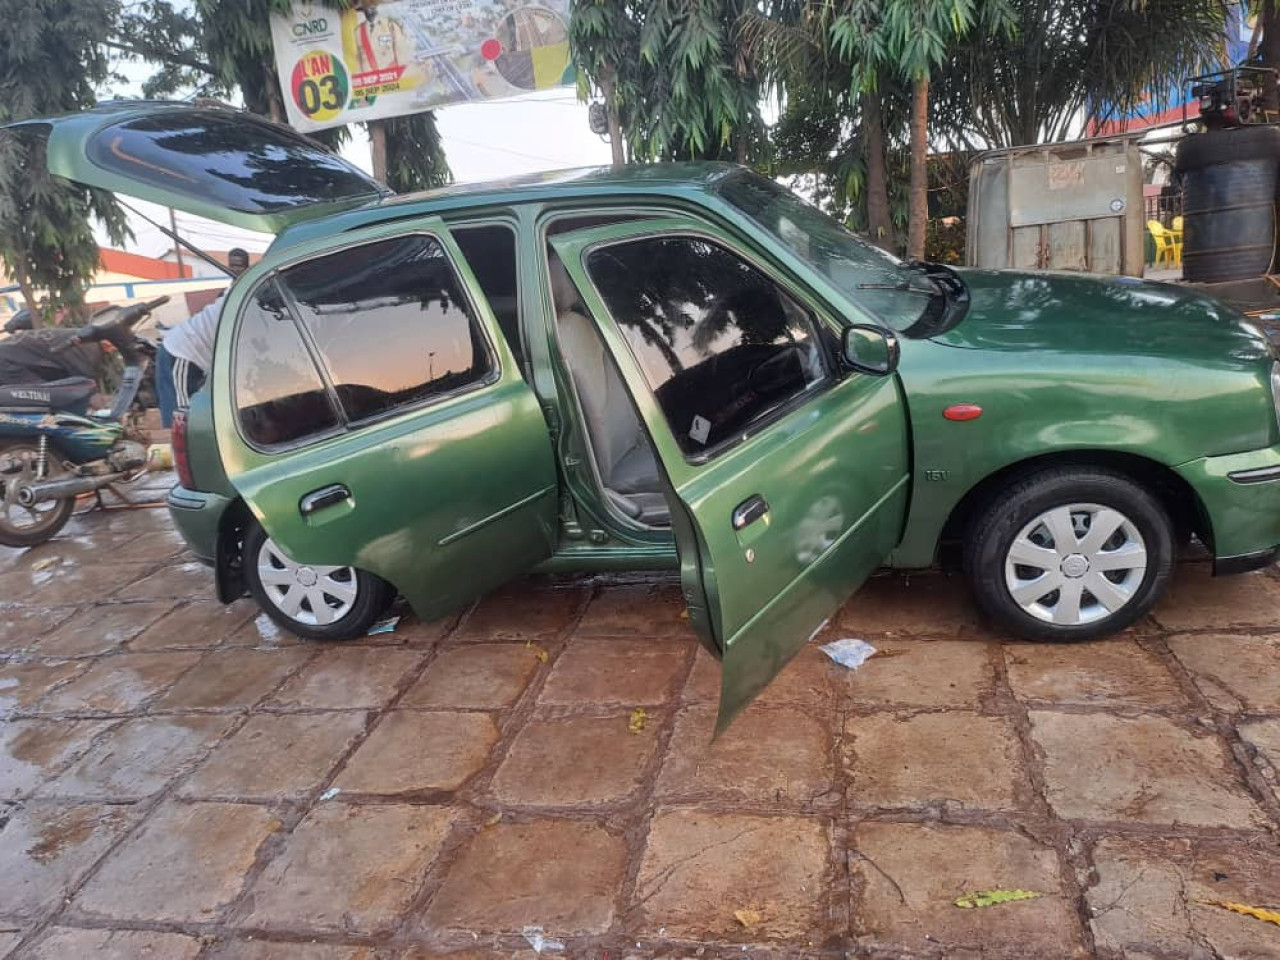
(71, 393)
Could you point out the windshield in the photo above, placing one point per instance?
(875, 280)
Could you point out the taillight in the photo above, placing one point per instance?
(181, 459)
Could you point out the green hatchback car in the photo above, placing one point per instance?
(677, 367)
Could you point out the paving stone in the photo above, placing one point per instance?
(69, 582)
(138, 757)
(232, 678)
(1198, 601)
(263, 633)
(583, 760)
(63, 943)
(413, 631)
(266, 950)
(1264, 736)
(100, 628)
(808, 680)
(31, 751)
(1148, 898)
(173, 581)
(410, 751)
(157, 546)
(8, 940)
(47, 848)
(482, 676)
(699, 867)
(616, 672)
(1112, 671)
(347, 867)
(561, 875)
(186, 864)
(955, 757)
(637, 610)
(22, 626)
(1147, 770)
(916, 673)
(426, 953)
(197, 625)
(22, 685)
(1236, 673)
(521, 611)
(119, 684)
(775, 755)
(919, 605)
(276, 756)
(908, 875)
(347, 678)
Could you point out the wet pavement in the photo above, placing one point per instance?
(181, 780)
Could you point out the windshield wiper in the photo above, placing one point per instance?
(903, 287)
(949, 303)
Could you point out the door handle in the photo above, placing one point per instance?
(329, 496)
(749, 511)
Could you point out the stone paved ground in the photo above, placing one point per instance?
(179, 780)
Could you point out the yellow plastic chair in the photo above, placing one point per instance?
(1177, 239)
(1167, 253)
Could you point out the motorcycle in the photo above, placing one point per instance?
(52, 449)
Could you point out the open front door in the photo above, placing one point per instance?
(371, 414)
(787, 476)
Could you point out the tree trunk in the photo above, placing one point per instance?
(879, 219)
(28, 295)
(378, 148)
(918, 208)
(615, 124)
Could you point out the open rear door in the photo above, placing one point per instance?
(786, 475)
(226, 165)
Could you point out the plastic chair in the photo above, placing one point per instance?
(1167, 252)
(1177, 239)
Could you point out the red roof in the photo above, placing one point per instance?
(144, 268)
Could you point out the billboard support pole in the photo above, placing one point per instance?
(378, 148)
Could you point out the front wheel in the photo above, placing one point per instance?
(1069, 554)
(319, 602)
(27, 526)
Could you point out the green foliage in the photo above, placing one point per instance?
(51, 59)
(415, 157)
(685, 85)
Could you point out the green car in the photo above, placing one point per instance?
(677, 367)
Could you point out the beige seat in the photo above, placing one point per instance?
(620, 446)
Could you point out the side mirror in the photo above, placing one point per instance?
(868, 348)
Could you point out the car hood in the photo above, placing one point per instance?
(1111, 316)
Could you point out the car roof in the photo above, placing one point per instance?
(659, 178)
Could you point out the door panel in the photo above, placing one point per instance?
(446, 497)
(778, 522)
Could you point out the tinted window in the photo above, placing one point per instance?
(228, 159)
(720, 344)
(279, 393)
(391, 322)
(491, 254)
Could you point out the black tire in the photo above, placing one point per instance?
(1002, 519)
(372, 596)
(53, 519)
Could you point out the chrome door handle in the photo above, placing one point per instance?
(329, 496)
(749, 511)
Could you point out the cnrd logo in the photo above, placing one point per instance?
(311, 28)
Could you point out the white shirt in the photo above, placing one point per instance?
(193, 339)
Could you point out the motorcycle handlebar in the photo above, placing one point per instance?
(119, 331)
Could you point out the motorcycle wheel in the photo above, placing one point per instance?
(27, 526)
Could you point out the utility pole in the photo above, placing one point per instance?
(177, 247)
(378, 148)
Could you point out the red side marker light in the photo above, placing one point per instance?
(962, 411)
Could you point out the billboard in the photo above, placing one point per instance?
(389, 58)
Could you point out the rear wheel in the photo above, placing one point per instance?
(1069, 554)
(26, 526)
(320, 602)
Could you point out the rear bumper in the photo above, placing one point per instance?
(198, 517)
(1241, 495)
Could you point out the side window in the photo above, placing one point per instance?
(719, 343)
(491, 253)
(278, 392)
(391, 323)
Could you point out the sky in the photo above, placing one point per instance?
(483, 141)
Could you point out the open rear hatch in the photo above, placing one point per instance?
(222, 164)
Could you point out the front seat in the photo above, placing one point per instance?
(620, 446)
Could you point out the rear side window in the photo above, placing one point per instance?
(388, 323)
(279, 393)
(392, 324)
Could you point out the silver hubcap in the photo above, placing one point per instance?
(17, 470)
(1075, 564)
(312, 595)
